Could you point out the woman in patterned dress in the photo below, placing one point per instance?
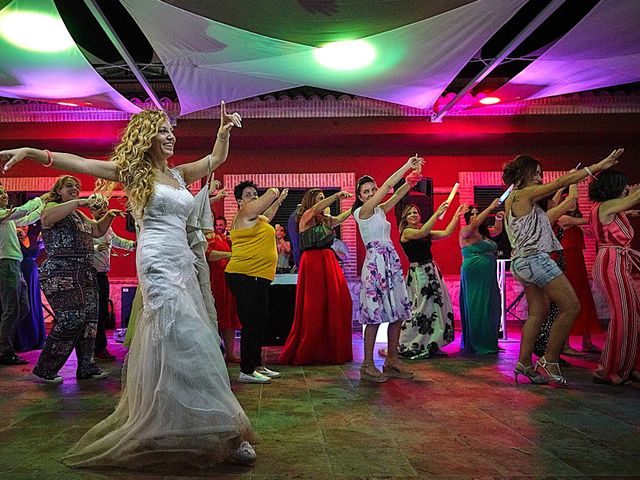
(68, 280)
(431, 324)
(620, 360)
(383, 294)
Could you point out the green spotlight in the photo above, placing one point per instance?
(347, 55)
(35, 31)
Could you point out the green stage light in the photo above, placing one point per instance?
(35, 31)
(346, 55)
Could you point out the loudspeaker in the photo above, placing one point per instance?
(127, 294)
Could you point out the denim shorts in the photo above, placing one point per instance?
(536, 269)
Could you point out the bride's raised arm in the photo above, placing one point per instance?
(62, 161)
(201, 168)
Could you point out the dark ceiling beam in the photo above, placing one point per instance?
(115, 39)
(513, 44)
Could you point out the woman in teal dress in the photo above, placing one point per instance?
(479, 293)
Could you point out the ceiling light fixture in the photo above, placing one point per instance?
(35, 31)
(489, 100)
(346, 55)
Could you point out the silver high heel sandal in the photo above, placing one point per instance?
(555, 378)
(530, 373)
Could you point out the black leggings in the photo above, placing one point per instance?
(252, 299)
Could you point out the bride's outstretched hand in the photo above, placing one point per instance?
(228, 121)
(8, 158)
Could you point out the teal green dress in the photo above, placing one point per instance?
(479, 298)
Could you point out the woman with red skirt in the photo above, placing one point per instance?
(586, 322)
(620, 360)
(321, 330)
(218, 255)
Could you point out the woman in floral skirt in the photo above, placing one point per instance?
(383, 294)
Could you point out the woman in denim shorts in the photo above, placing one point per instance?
(532, 240)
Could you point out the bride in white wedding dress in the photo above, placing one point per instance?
(176, 405)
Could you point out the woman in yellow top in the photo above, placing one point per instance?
(251, 270)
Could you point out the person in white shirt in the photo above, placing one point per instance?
(13, 291)
(101, 261)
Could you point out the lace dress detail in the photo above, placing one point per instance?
(176, 405)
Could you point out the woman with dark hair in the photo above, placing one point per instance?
(532, 240)
(572, 241)
(431, 324)
(321, 331)
(383, 294)
(251, 270)
(30, 333)
(68, 280)
(613, 196)
(480, 307)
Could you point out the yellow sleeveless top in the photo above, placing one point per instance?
(253, 251)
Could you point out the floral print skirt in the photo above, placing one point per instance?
(383, 294)
(431, 324)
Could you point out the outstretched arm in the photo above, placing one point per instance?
(273, 209)
(418, 233)
(320, 207)
(468, 230)
(609, 208)
(455, 220)
(63, 161)
(196, 170)
(536, 192)
(367, 209)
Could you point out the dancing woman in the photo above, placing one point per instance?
(321, 330)
(176, 404)
(480, 308)
(532, 240)
(383, 294)
(251, 270)
(68, 280)
(431, 324)
(620, 360)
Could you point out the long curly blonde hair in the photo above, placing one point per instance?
(134, 167)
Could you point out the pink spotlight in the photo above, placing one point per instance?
(490, 100)
(68, 104)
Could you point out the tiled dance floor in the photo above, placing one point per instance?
(462, 417)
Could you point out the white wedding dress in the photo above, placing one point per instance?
(177, 405)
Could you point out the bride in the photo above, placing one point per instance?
(176, 404)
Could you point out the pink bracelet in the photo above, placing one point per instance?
(50, 157)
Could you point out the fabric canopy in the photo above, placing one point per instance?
(40, 60)
(209, 61)
(600, 51)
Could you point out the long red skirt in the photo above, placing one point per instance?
(321, 331)
(225, 301)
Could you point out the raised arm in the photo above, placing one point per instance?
(340, 218)
(609, 208)
(366, 210)
(468, 230)
(273, 209)
(63, 161)
(320, 207)
(418, 233)
(201, 168)
(566, 205)
(534, 193)
(455, 220)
